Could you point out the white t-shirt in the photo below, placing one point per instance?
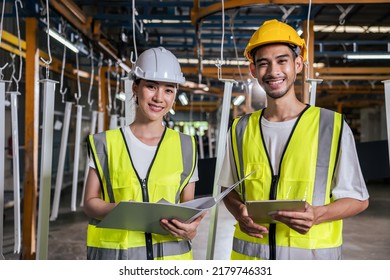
(349, 181)
(142, 155)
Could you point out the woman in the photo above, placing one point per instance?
(147, 162)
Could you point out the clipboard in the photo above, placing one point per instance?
(260, 210)
(143, 216)
(146, 216)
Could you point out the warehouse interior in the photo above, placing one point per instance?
(64, 73)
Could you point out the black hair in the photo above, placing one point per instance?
(137, 80)
(294, 48)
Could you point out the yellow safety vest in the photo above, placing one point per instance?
(168, 174)
(306, 171)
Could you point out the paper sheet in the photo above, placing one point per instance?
(146, 216)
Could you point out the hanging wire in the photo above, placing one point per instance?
(344, 13)
(77, 95)
(1, 71)
(117, 75)
(308, 40)
(90, 101)
(62, 91)
(109, 106)
(134, 40)
(122, 90)
(17, 80)
(286, 12)
(12, 65)
(100, 65)
(220, 61)
(231, 22)
(1, 22)
(121, 84)
(47, 62)
(1, 36)
(133, 61)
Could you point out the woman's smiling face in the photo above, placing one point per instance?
(155, 99)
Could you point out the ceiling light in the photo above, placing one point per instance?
(121, 96)
(172, 111)
(57, 125)
(351, 29)
(190, 84)
(63, 41)
(238, 100)
(164, 21)
(213, 62)
(318, 65)
(367, 56)
(203, 87)
(124, 66)
(124, 37)
(81, 73)
(199, 91)
(183, 98)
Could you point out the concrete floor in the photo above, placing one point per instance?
(366, 236)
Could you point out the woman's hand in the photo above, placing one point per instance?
(182, 230)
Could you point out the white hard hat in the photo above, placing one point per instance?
(158, 64)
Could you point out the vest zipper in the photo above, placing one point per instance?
(272, 227)
(274, 184)
(274, 187)
(144, 187)
(272, 196)
(148, 235)
(145, 196)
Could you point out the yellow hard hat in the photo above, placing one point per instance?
(274, 31)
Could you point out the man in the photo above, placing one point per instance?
(299, 151)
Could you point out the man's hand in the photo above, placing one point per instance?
(182, 230)
(248, 226)
(238, 209)
(300, 221)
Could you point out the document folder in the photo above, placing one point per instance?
(260, 210)
(146, 216)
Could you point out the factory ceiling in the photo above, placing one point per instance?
(202, 35)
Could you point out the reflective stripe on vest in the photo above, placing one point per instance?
(166, 250)
(325, 139)
(239, 133)
(101, 153)
(306, 172)
(247, 250)
(119, 181)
